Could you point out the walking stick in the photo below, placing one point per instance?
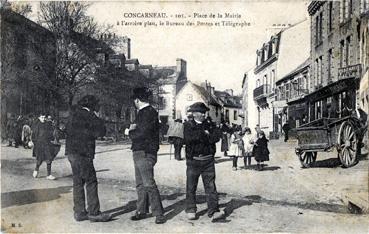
(170, 152)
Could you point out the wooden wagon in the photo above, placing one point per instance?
(333, 122)
(345, 134)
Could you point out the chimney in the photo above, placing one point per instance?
(182, 67)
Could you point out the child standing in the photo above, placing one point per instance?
(261, 150)
(236, 147)
(248, 144)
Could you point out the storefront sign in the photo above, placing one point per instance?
(353, 71)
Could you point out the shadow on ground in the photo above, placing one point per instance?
(25, 197)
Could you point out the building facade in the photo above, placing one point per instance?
(169, 80)
(265, 75)
(336, 66)
(28, 57)
(279, 56)
(231, 106)
(191, 93)
(290, 95)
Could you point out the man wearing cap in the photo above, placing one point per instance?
(200, 138)
(82, 129)
(144, 134)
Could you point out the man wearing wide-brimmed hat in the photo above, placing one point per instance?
(200, 139)
(145, 145)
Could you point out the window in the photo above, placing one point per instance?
(265, 80)
(316, 72)
(227, 115)
(266, 49)
(364, 5)
(320, 70)
(343, 10)
(330, 16)
(317, 30)
(329, 65)
(272, 75)
(342, 53)
(287, 90)
(318, 110)
(189, 97)
(347, 53)
(235, 115)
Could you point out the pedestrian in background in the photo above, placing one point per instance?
(144, 134)
(236, 148)
(43, 150)
(83, 128)
(261, 150)
(175, 137)
(225, 137)
(27, 135)
(10, 130)
(200, 139)
(248, 144)
(286, 128)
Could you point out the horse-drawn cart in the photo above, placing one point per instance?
(345, 134)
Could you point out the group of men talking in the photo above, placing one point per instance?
(84, 127)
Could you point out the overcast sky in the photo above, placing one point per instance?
(220, 55)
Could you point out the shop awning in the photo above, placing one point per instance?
(333, 88)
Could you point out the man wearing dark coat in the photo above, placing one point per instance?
(200, 138)
(43, 150)
(144, 134)
(83, 128)
(286, 128)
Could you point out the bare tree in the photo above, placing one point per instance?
(77, 37)
(21, 8)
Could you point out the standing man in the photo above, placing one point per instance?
(82, 130)
(145, 145)
(286, 128)
(200, 139)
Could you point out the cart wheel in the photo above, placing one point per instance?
(348, 144)
(306, 158)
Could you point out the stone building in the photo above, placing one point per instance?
(191, 93)
(27, 66)
(248, 105)
(290, 95)
(169, 80)
(231, 106)
(335, 57)
(279, 56)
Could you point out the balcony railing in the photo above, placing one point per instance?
(261, 91)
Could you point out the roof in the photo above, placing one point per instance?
(209, 98)
(295, 71)
(228, 100)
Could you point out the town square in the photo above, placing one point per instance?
(112, 111)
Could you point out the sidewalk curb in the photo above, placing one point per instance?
(359, 199)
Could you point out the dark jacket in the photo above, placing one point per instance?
(197, 141)
(261, 151)
(82, 129)
(42, 135)
(146, 135)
